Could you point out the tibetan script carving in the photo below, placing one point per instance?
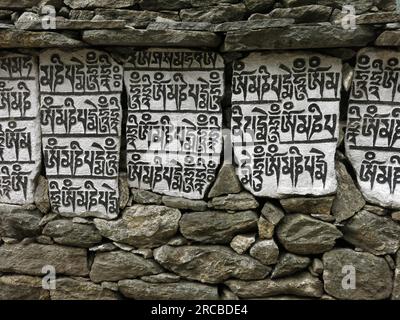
(174, 135)
(20, 154)
(285, 115)
(373, 127)
(81, 114)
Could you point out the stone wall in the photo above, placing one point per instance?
(310, 199)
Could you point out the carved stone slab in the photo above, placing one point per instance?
(285, 115)
(174, 122)
(20, 154)
(373, 128)
(81, 126)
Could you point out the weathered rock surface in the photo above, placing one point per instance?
(386, 5)
(310, 13)
(316, 267)
(145, 197)
(178, 25)
(137, 37)
(161, 278)
(48, 217)
(184, 290)
(20, 4)
(12, 38)
(88, 4)
(81, 14)
(302, 234)
(373, 277)
(388, 38)
(226, 182)
(185, 204)
(235, 202)
(145, 253)
(217, 14)
(378, 18)
(265, 251)
(396, 216)
(72, 234)
(217, 226)
(104, 247)
(30, 259)
(22, 288)
(254, 23)
(134, 18)
(271, 215)
(289, 264)
(74, 289)
(124, 192)
(209, 264)
(118, 265)
(123, 246)
(142, 226)
(20, 223)
(227, 294)
(380, 211)
(378, 235)
(265, 228)
(32, 21)
(349, 199)
(320, 205)
(302, 284)
(44, 240)
(298, 37)
(178, 241)
(42, 195)
(242, 242)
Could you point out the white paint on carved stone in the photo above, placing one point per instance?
(373, 128)
(285, 115)
(20, 154)
(174, 137)
(81, 129)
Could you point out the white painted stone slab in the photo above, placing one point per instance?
(373, 128)
(81, 127)
(174, 137)
(20, 154)
(285, 115)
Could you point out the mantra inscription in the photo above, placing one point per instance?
(285, 115)
(373, 128)
(20, 150)
(81, 114)
(174, 137)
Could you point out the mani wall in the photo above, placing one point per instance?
(184, 149)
